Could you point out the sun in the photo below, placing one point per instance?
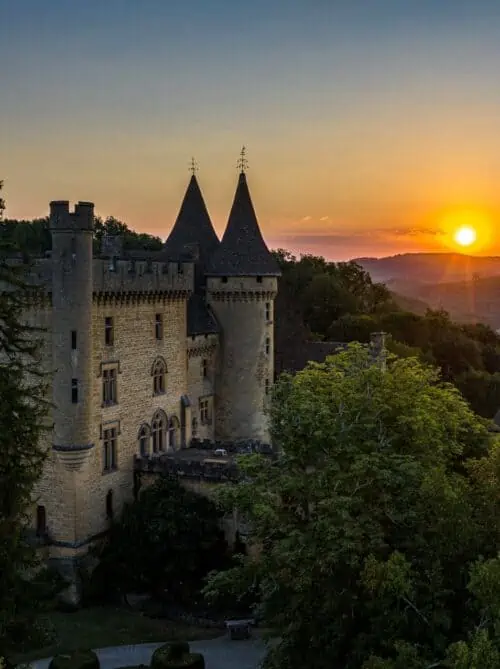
(465, 235)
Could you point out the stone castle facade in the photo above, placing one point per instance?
(148, 352)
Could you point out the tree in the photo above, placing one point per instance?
(371, 520)
(23, 408)
(168, 539)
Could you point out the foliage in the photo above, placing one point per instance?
(132, 241)
(166, 540)
(339, 302)
(79, 659)
(23, 410)
(33, 237)
(372, 521)
(176, 656)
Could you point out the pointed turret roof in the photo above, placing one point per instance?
(193, 229)
(242, 251)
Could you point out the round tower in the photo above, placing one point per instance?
(242, 282)
(72, 329)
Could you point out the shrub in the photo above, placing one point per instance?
(78, 659)
(176, 655)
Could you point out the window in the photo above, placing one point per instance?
(204, 368)
(108, 331)
(73, 340)
(159, 326)
(109, 441)
(224, 279)
(194, 426)
(159, 372)
(267, 386)
(109, 505)
(268, 345)
(259, 279)
(204, 411)
(268, 311)
(144, 440)
(173, 433)
(159, 429)
(109, 387)
(41, 521)
(74, 391)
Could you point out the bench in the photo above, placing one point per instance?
(239, 629)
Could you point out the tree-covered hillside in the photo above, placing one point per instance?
(339, 302)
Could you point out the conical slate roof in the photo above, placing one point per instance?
(193, 231)
(242, 251)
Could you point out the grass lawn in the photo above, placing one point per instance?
(98, 627)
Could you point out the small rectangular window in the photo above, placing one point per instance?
(268, 345)
(108, 331)
(73, 340)
(268, 311)
(109, 387)
(267, 386)
(259, 279)
(109, 443)
(224, 279)
(204, 411)
(74, 391)
(159, 326)
(204, 368)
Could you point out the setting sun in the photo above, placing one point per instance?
(465, 235)
(467, 229)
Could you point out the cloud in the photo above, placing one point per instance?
(324, 218)
(306, 219)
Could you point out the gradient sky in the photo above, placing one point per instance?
(365, 121)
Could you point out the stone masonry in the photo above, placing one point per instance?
(147, 352)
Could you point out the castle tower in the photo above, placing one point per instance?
(72, 330)
(193, 233)
(242, 282)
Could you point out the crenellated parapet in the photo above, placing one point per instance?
(134, 277)
(200, 345)
(242, 289)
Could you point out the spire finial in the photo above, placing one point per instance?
(193, 166)
(242, 164)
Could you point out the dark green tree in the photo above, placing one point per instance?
(23, 410)
(372, 521)
(165, 541)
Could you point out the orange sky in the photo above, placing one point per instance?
(366, 125)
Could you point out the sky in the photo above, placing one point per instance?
(370, 125)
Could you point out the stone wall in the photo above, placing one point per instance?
(244, 308)
(199, 348)
(134, 351)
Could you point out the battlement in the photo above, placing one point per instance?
(134, 276)
(63, 220)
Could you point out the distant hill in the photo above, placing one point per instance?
(412, 304)
(429, 268)
(468, 287)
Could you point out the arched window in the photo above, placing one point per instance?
(159, 431)
(173, 433)
(159, 372)
(143, 439)
(109, 505)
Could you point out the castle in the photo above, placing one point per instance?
(147, 352)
